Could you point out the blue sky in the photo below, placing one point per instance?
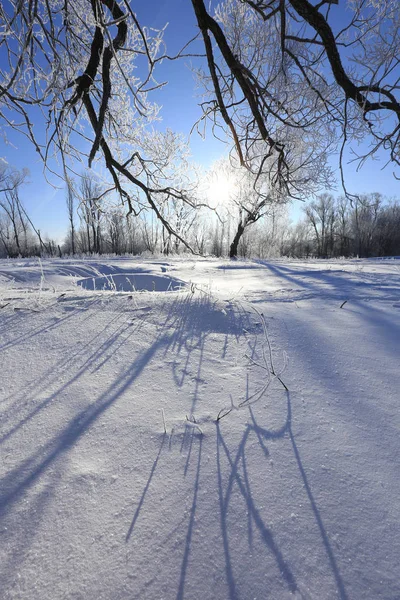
(179, 101)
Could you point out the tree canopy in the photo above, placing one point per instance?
(287, 80)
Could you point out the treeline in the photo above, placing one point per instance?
(116, 234)
(242, 226)
(18, 235)
(365, 225)
(97, 226)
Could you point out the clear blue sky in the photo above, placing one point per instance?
(179, 100)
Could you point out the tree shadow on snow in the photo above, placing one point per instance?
(84, 359)
(337, 284)
(188, 540)
(21, 478)
(38, 330)
(145, 490)
(232, 473)
(238, 475)
(188, 324)
(195, 319)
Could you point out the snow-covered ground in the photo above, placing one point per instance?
(149, 449)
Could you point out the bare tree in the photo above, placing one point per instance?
(321, 215)
(181, 216)
(77, 62)
(14, 226)
(366, 226)
(151, 234)
(15, 217)
(283, 78)
(365, 215)
(249, 199)
(115, 232)
(343, 225)
(91, 197)
(299, 243)
(272, 234)
(387, 233)
(70, 200)
(277, 66)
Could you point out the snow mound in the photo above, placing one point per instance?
(132, 282)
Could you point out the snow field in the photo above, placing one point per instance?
(293, 495)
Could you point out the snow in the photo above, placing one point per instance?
(117, 479)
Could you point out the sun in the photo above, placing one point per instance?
(220, 190)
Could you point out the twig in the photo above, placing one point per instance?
(223, 414)
(267, 364)
(163, 417)
(194, 424)
(284, 385)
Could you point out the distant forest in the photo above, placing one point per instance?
(364, 226)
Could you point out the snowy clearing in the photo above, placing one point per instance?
(118, 481)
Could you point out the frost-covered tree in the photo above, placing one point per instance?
(248, 199)
(74, 65)
(368, 225)
(86, 69)
(16, 227)
(277, 66)
(365, 214)
(70, 201)
(322, 217)
(91, 196)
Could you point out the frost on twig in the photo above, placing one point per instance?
(267, 363)
(192, 422)
(224, 412)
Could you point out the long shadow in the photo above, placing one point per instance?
(8, 321)
(224, 526)
(341, 283)
(185, 561)
(145, 490)
(51, 375)
(24, 337)
(181, 335)
(264, 435)
(193, 320)
(243, 486)
(22, 477)
(367, 311)
(339, 581)
(21, 539)
(103, 352)
(345, 379)
(239, 476)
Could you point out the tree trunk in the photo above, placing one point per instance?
(72, 237)
(234, 246)
(88, 238)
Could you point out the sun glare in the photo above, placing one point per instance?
(220, 190)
